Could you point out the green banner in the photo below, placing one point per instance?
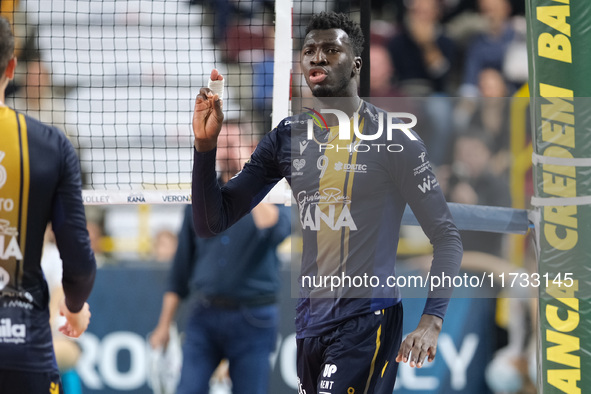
(559, 44)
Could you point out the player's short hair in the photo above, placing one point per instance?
(333, 20)
(6, 44)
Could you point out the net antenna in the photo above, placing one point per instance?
(282, 69)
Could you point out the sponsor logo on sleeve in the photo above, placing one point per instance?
(429, 183)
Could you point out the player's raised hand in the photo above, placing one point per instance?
(208, 116)
(76, 323)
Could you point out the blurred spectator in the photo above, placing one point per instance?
(487, 49)
(515, 65)
(96, 233)
(422, 56)
(35, 97)
(489, 114)
(421, 53)
(165, 244)
(224, 11)
(513, 368)
(233, 280)
(262, 79)
(469, 181)
(382, 73)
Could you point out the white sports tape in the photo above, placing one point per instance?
(561, 161)
(217, 87)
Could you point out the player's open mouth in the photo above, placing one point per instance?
(317, 76)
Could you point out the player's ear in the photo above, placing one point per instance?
(9, 72)
(357, 62)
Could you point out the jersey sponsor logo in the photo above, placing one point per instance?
(322, 207)
(3, 174)
(54, 388)
(301, 388)
(313, 216)
(374, 117)
(6, 204)
(19, 304)
(12, 333)
(340, 166)
(429, 183)
(326, 385)
(303, 146)
(4, 278)
(9, 246)
(424, 166)
(288, 122)
(299, 164)
(324, 196)
(329, 369)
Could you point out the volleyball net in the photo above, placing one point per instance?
(120, 78)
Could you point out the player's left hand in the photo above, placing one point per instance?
(421, 343)
(76, 323)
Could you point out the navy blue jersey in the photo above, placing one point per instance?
(350, 195)
(39, 183)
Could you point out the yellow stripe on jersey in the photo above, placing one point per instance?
(335, 188)
(14, 194)
(373, 360)
(26, 179)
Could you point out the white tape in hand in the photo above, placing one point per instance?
(217, 87)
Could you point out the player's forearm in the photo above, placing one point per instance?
(447, 259)
(79, 269)
(170, 304)
(206, 195)
(77, 290)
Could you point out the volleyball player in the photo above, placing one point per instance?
(39, 183)
(350, 201)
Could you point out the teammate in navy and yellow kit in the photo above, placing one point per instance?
(350, 201)
(39, 183)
